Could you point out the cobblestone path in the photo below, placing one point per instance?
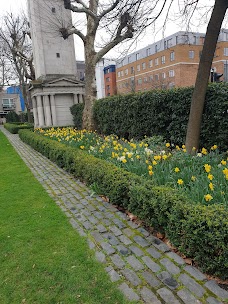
(142, 266)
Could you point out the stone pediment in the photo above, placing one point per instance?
(63, 82)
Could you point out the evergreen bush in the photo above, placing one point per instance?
(161, 112)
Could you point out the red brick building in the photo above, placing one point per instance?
(110, 80)
(170, 62)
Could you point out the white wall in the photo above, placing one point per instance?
(100, 76)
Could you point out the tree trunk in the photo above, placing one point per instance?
(25, 96)
(198, 98)
(90, 93)
(90, 63)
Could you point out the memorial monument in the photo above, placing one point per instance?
(56, 87)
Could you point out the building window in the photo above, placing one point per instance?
(145, 79)
(156, 77)
(148, 52)
(140, 81)
(132, 70)
(150, 63)
(126, 71)
(225, 51)
(138, 67)
(156, 48)
(58, 55)
(171, 85)
(150, 78)
(108, 87)
(137, 56)
(225, 72)
(191, 54)
(172, 56)
(143, 65)
(8, 103)
(108, 79)
(118, 74)
(163, 75)
(156, 61)
(171, 73)
(53, 9)
(121, 73)
(163, 59)
(194, 39)
(168, 43)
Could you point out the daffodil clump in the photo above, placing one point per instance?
(203, 177)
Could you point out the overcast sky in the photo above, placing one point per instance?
(151, 35)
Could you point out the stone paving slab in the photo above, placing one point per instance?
(141, 265)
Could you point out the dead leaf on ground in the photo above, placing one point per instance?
(188, 261)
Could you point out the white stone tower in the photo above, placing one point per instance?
(56, 88)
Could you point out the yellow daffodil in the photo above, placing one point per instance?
(211, 186)
(208, 197)
(177, 169)
(214, 147)
(223, 162)
(151, 172)
(167, 145)
(180, 181)
(210, 176)
(207, 168)
(150, 167)
(193, 178)
(204, 151)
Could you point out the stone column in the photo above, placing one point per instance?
(47, 111)
(35, 114)
(76, 98)
(53, 110)
(40, 111)
(80, 98)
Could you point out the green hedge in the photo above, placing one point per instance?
(161, 112)
(15, 127)
(198, 231)
(76, 110)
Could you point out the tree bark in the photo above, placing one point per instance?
(90, 55)
(90, 92)
(198, 98)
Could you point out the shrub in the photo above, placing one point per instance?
(12, 117)
(198, 231)
(15, 127)
(77, 110)
(164, 113)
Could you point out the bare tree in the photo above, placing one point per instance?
(125, 19)
(18, 50)
(120, 20)
(198, 98)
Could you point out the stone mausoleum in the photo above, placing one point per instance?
(56, 87)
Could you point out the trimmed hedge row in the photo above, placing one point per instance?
(15, 127)
(198, 231)
(162, 112)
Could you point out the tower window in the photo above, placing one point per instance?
(53, 9)
(58, 55)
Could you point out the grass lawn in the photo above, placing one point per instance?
(42, 258)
